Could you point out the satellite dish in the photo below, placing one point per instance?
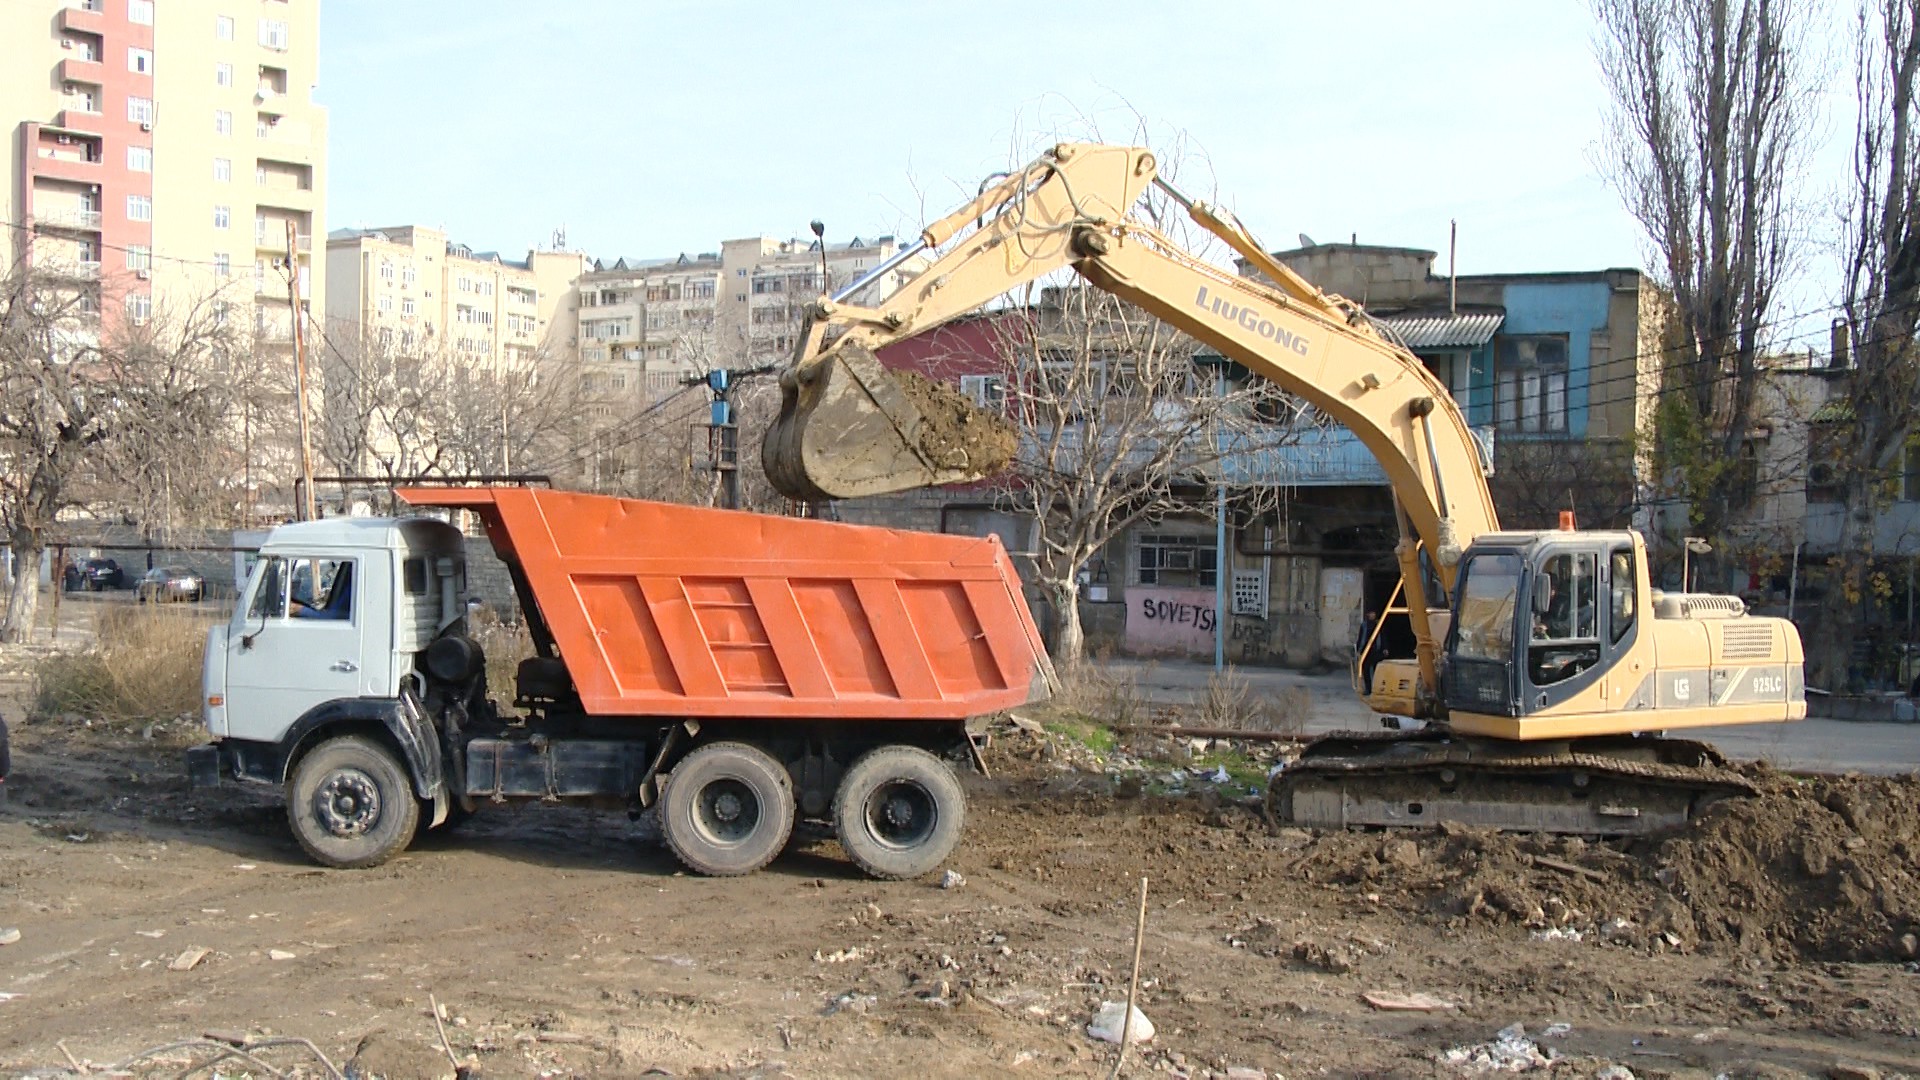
(1306, 241)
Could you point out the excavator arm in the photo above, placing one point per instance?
(847, 427)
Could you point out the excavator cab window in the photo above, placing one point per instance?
(1625, 584)
(1565, 639)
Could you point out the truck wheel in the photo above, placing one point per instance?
(899, 812)
(728, 809)
(351, 803)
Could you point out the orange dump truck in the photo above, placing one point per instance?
(735, 670)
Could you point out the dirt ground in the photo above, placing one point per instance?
(1775, 940)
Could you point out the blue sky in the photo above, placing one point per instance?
(650, 127)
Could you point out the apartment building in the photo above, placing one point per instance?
(162, 152)
(648, 324)
(411, 288)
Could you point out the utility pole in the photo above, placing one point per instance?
(307, 510)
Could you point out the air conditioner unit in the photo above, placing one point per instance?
(69, 89)
(66, 43)
(147, 126)
(64, 140)
(1177, 559)
(143, 275)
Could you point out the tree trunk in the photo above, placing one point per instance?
(24, 603)
(1069, 638)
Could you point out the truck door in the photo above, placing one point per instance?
(296, 643)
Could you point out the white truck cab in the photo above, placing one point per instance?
(328, 639)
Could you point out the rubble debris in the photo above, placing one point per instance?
(188, 960)
(1112, 1015)
(952, 879)
(1415, 1002)
(1508, 1051)
(9, 935)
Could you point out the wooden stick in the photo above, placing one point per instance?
(1568, 868)
(62, 1043)
(1133, 981)
(444, 1045)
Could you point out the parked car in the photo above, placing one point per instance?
(166, 584)
(93, 575)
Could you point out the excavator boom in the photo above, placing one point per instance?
(1560, 655)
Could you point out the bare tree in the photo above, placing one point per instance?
(1120, 425)
(116, 414)
(1710, 122)
(1881, 229)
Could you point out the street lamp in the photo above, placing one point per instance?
(1694, 545)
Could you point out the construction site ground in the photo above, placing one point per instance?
(1775, 939)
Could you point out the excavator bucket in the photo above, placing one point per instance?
(849, 427)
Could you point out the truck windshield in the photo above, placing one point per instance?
(1484, 623)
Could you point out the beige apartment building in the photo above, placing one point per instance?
(159, 150)
(411, 288)
(650, 324)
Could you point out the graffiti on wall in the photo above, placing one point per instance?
(1170, 620)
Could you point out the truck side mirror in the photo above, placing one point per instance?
(1542, 594)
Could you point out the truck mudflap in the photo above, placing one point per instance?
(403, 718)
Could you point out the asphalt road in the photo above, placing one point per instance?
(1810, 745)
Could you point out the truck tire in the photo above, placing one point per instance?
(728, 809)
(899, 812)
(351, 804)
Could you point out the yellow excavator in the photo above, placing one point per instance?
(1546, 664)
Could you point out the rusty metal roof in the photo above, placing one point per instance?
(1461, 330)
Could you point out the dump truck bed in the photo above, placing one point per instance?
(666, 610)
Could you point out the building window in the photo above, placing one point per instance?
(273, 34)
(140, 12)
(1530, 389)
(1172, 560)
(223, 27)
(260, 174)
(222, 217)
(407, 307)
(408, 275)
(1910, 472)
(222, 169)
(222, 264)
(386, 269)
(140, 61)
(139, 307)
(139, 208)
(222, 122)
(386, 303)
(139, 257)
(140, 110)
(987, 391)
(223, 74)
(139, 159)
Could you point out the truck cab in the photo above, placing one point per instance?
(328, 637)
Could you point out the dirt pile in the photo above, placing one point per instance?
(956, 432)
(1827, 869)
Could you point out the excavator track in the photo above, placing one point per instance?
(1595, 787)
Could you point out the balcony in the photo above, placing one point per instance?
(68, 220)
(285, 198)
(78, 69)
(72, 169)
(274, 238)
(80, 121)
(83, 16)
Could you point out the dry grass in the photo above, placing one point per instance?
(1105, 695)
(144, 666)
